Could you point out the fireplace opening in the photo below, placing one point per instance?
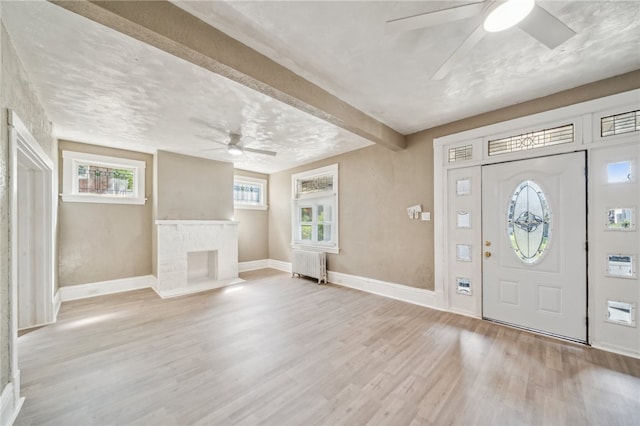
(202, 266)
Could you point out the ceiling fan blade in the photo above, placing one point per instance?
(546, 28)
(259, 151)
(461, 51)
(431, 19)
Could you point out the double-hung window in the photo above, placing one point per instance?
(315, 209)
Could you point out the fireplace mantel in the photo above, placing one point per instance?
(196, 255)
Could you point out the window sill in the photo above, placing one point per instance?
(316, 247)
(74, 198)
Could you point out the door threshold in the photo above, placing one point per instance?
(536, 331)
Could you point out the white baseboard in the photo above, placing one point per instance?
(82, 291)
(616, 349)
(463, 312)
(253, 265)
(280, 265)
(417, 296)
(10, 401)
(206, 286)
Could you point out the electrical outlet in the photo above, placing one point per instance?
(414, 211)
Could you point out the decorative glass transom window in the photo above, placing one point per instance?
(529, 222)
(315, 209)
(532, 140)
(91, 178)
(620, 123)
(460, 153)
(249, 193)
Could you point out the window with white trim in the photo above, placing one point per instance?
(314, 216)
(91, 178)
(249, 193)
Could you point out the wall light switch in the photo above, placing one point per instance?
(426, 216)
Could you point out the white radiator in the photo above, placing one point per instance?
(310, 264)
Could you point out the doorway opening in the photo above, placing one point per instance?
(32, 226)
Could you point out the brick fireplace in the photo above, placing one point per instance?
(196, 255)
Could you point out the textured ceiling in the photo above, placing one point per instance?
(343, 46)
(102, 87)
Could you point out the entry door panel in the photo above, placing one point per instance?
(534, 232)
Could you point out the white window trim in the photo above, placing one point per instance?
(70, 178)
(248, 205)
(333, 247)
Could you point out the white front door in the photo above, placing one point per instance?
(534, 244)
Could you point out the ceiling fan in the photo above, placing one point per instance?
(495, 16)
(235, 146)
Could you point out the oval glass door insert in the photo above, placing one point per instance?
(529, 222)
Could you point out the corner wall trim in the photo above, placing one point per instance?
(416, 296)
(82, 291)
(253, 265)
(10, 402)
(57, 302)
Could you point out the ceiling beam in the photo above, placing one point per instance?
(171, 29)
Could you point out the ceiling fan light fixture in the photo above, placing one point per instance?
(507, 15)
(234, 150)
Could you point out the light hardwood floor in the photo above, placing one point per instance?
(283, 351)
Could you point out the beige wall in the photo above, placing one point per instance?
(377, 239)
(192, 188)
(17, 94)
(102, 242)
(376, 186)
(253, 229)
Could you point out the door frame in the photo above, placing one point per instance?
(584, 116)
(25, 150)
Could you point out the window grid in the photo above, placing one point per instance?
(460, 153)
(306, 223)
(617, 124)
(532, 140)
